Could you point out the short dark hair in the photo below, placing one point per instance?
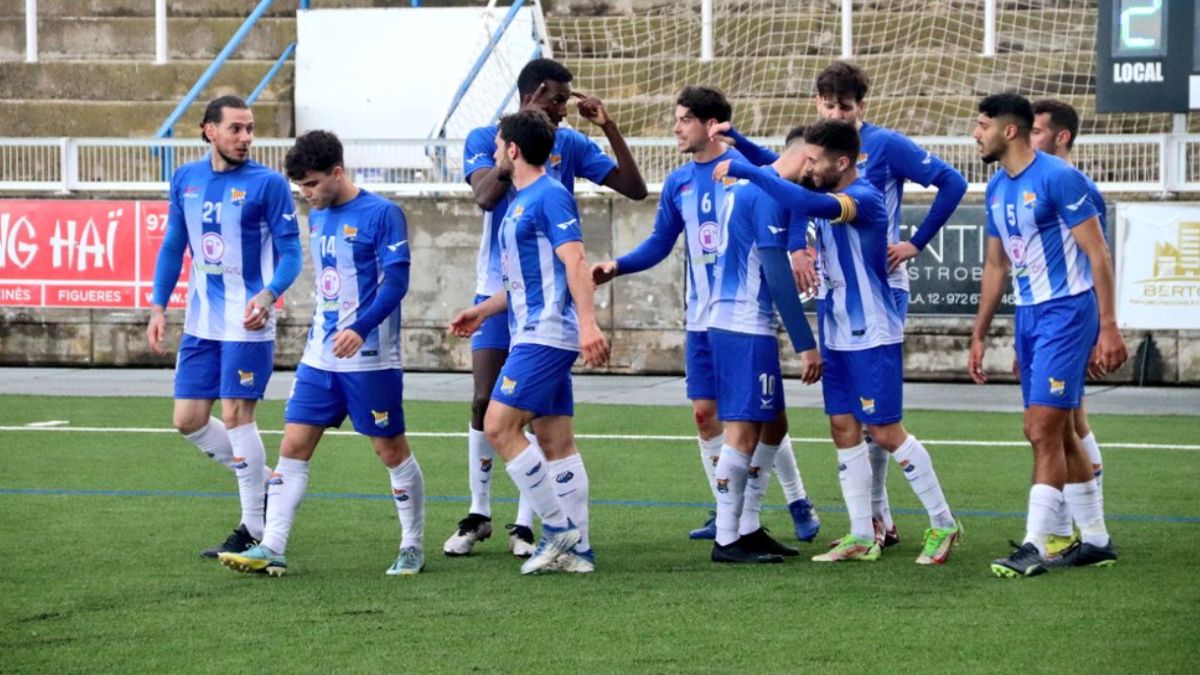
(842, 79)
(1012, 105)
(532, 131)
(796, 132)
(706, 103)
(538, 71)
(314, 151)
(1062, 116)
(215, 110)
(837, 137)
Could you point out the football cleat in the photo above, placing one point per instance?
(805, 518)
(762, 542)
(740, 552)
(1057, 544)
(238, 541)
(851, 547)
(1023, 562)
(706, 531)
(1082, 554)
(257, 558)
(938, 543)
(885, 536)
(520, 540)
(555, 541)
(471, 530)
(410, 561)
(575, 562)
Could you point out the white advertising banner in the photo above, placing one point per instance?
(1158, 266)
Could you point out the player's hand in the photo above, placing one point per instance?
(719, 131)
(258, 310)
(804, 269)
(604, 272)
(721, 170)
(975, 361)
(898, 253)
(591, 108)
(1094, 370)
(346, 343)
(1110, 348)
(466, 322)
(156, 332)
(593, 345)
(811, 361)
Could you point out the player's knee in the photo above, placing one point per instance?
(1041, 435)
(393, 451)
(188, 423)
(706, 422)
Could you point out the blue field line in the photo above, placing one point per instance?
(643, 503)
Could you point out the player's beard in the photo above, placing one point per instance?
(990, 157)
(233, 161)
(807, 181)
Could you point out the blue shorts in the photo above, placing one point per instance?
(1054, 340)
(749, 379)
(493, 332)
(537, 379)
(212, 369)
(867, 383)
(900, 297)
(374, 399)
(698, 367)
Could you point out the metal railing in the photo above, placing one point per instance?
(1154, 164)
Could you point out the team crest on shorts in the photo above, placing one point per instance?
(868, 405)
(1058, 387)
(400, 494)
(723, 485)
(507, 386)
(246, 378)
(381, 418)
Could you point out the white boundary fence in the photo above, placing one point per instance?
(1153, 164)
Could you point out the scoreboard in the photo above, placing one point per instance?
(1147, 56)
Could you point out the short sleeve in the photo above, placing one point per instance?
(911, 161)
(391, 239)
(560, 217)
(1072, 198)
(989, 218)
(479, 151)
(280, 209)
(590, 162)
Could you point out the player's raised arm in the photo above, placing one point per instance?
(756, 154)
(799, 199)
(625, 178)
(991, 292)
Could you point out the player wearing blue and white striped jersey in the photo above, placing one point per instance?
(237, 219)
(351, 364)
(552, 319)
(690, 204)
(861, 335)
(1055, 126)
(543, 85)
(1043, 226)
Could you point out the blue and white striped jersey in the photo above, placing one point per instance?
(540, 218)
(574, 154)
(740, 300)
(1032, 214)
(350, 245)
(231, 218)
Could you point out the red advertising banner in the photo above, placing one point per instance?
(82, 253)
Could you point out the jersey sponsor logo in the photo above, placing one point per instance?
(191, 192)
(246, 378)
(400, 494)
(1076, 205)
(236, 196)
(709, 236)
(276, 479)
(330, 282)
(507, 386)
(212, 247)
(564, 477)
(1058, 387)
(240, 462)
(723, 485)
(396, 246)
(485, 464)
(349, 232)
(1017, 249)
(868, 405)
(566, 225)
(1029, 199)
(381, 418)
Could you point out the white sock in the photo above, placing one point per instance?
(1084, 503)
(525, 512)
(788, 473)
(249, 463)
(710, 453)
(732, 468)
(854, 472)
(757, 477)
(213, 440)
(408, 489)
(917, 467)
(1061, 525)
(1044, 502)
(480, 457)
(1093, 451)
(528, 470)
(880, 507)
(286, 489)
(571, 488)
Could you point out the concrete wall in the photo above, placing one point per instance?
(642, 314)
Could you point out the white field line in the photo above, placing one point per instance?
(607, 437)
(48, 423)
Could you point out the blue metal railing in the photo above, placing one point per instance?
(537, 54)
(287, 54)
(479, 62)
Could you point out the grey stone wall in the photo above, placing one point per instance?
(642, 314)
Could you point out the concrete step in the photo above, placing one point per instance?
(133, 38)
(196, 8)
(135, 81)
(131, 119)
